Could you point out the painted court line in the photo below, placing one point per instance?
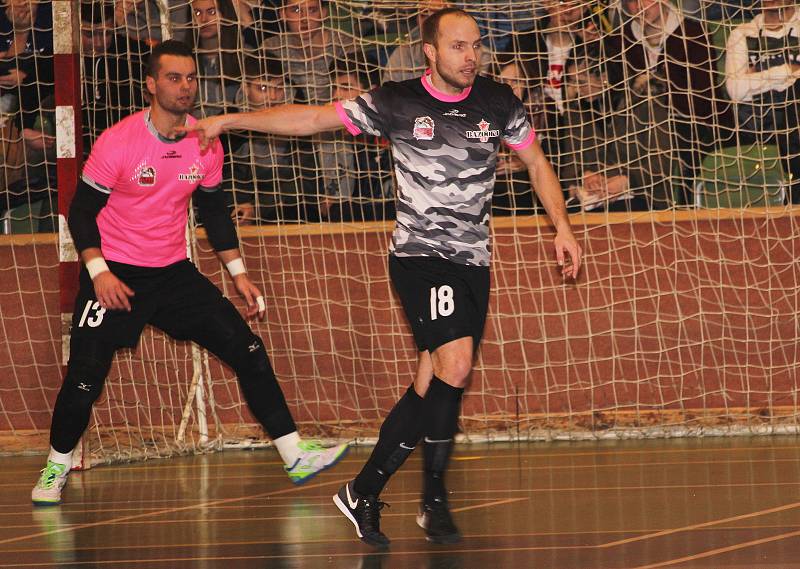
(701, 525)
(173, 510)
(713, 552)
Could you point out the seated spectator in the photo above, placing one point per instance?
(407, 60)
(267, 181)
(590, 165)
(218, 42)
(513, 194)
(546, 51)
(26, 58)
(356, 173)
(308, 48)
(112, 71)
(141, 19)
(762, 67)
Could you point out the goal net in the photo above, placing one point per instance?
(678, 179)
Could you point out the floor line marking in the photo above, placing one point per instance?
(488, 504)
(174, 510)
(701, 525)
(713, 552)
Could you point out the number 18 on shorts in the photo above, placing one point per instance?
(442, 300)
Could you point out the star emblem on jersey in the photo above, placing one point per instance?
(194, 175)
(147, 175)
(423, 128)
(484, 134)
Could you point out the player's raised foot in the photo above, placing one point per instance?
(364, 512)
(47, 491)
(314, 458)
(434, 517)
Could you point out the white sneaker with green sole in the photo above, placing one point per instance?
(314, 458)
(47, 491)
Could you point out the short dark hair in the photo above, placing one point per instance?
(169, 47)
(430, 27)
(355, 66)
(97, 12)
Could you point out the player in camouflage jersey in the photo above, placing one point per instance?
(445, 130)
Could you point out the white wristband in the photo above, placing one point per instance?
(236, 267)
(96, 266)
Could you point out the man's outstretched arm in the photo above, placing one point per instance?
(286, 120)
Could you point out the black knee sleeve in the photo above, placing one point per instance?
(246, 354)
(87, 369)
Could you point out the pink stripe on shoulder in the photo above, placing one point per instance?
(348, 124)
(525, 143)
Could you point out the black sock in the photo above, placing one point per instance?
(399, 435)
(440, 415)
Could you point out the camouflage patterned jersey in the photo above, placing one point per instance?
(445, 150)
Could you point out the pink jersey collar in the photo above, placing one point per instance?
(154, 131)
(434, 92)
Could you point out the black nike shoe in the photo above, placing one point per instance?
(434, 517)
(364, 512)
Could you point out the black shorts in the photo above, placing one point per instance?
(176, 299)
(443, 301)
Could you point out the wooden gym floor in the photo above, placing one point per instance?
(711, 503)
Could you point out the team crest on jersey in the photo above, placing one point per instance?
(423, 128)
(194, 175)
(484, 134)
(147, 175)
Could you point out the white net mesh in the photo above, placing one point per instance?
(677, 161)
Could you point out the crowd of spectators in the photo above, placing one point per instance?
(627, 97)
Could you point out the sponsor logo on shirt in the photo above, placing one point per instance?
(454, 113)
(171, 154)
(423, 128)
(194, 175)
(147, 175)
(484, 134)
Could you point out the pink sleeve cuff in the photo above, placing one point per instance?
(525, 143)
(348, 124)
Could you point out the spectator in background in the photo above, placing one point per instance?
(590, 166)
(407, 60)
(659, 41)
(762, 66)
(308, 48)
(513, 194)
(267, 185)
(112, 71)
(26, 103)
(141, 19)
(217, 40)
(258, 20)
(546, 51)
(26, 59)
(356, 173)
(668, 96)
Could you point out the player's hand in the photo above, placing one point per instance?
(207, 129)
(568, 254)
(243, 213)
(112, 293)
(251, 295)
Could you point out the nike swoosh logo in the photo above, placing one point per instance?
(350, 502)
(403, 445)
(427, 440)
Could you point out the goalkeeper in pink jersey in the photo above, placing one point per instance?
(128, 219)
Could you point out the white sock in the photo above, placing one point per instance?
(60, 458)
(287, 448)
